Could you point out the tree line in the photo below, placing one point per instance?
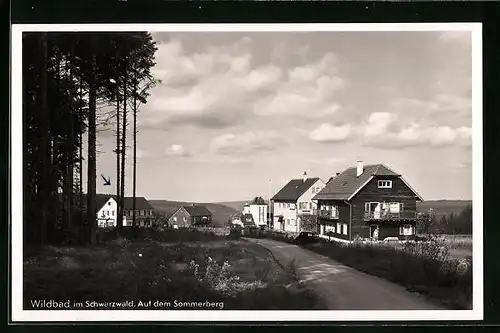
(452, 223)
(67, 80)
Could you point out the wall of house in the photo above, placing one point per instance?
(107, 215)
(341, 226)
(180, 218)
(201, 220)
(399, 192)
(258, 212)
(289, 214)
(307, 198)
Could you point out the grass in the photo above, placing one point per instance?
(424, 267)
(142, 270)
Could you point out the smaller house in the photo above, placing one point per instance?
(190, 216)
(144, 212)
(107, 211)
(293, 205)
(258, 210)
(248, 221)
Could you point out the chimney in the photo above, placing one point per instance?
(359, 171)
(305, 176)
(337, 174)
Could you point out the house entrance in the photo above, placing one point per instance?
(374, 231)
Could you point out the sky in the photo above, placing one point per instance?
(239, 114)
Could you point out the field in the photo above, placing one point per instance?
(234, 273)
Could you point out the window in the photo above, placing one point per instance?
(288, 221)
(292, 206)
(406, 230)
(328, 228)
(318, 189)
(338, 228)
(394, 207)
(385, 184)
(112, 213)
(292, 222)
(344, 228)
(175, 218)
(313, 190)
(184, 219)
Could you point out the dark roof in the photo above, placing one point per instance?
(294, 189)
(347, 183)
(128, 202)
(258, 201)
(247, 220)
(195, 210)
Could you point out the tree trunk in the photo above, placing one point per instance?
(91, 168)
(43, 120)
(135, 153)
(80, 153)
(119, 218)
(123, 146)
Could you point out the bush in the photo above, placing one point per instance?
(159, 235)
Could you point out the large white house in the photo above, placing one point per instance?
(258, 209)
(295, 200)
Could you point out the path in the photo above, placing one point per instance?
(342, 287)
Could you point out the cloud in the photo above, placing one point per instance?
(309, 91)
(330, 133)
(214, 88)
(177, 150)
(379, 123)
(462, 37)
(418, 135)
(245, 142)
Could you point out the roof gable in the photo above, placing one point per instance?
(197, 210)
(347, 184)
(294, 189)
(128, 202)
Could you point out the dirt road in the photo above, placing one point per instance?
(342, 287)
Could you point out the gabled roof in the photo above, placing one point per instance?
(195, 210)
(247, 220)
(347, 184)
(294, 189)
(128, 202)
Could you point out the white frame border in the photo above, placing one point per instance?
(21, 315)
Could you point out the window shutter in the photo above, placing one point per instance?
(401, 206)
(367, 206)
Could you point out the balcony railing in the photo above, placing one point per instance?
(327, 213)
(405, 215)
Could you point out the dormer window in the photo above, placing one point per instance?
(385, 184)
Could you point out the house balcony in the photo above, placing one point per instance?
(390, 216)
(331, 214)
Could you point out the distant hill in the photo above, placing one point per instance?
(443, 207)
(220, 212)
(237, 205)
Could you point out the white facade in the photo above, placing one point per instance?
(290, 212)
(108, 213)
(258, 212)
